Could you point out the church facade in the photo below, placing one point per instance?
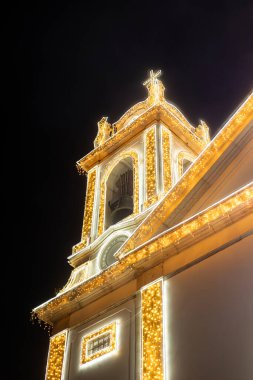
(161, 282)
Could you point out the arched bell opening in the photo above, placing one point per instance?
(119, 192)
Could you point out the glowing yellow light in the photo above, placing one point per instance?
(120, 157)
(152, 332)
(104, 131)
(88, 212)
(243, 197)
(77, 276)
(101, 216)
(201, 165)
(209, 156)
(109, 329)
(155, 88)
(166, 160)
(180, 160)
(56, 356)
(87, 220)
(150, 160)
(138, 117)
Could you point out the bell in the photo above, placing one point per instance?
(121, 208)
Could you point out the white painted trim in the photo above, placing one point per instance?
(107, 241)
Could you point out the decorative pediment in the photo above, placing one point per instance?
(137, 118)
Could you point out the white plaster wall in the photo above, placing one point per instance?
(118, 365)
(238, 173)
(209, 320)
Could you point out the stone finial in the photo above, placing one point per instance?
(104, 129)
(202, 131)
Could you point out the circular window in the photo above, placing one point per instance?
(107, 256)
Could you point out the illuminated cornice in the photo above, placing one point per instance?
(139, 117)
(130, 223)
(204, 224)
(144, 250)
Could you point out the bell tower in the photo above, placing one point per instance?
(167, 214)
(135, 162)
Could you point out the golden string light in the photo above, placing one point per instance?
(119, 158)
(210, 155)
(87, 220)
(180, 160)
(150, 166)
(166, 160)
(56, 356)
(155, 88)
(111, 329)
(104, 131)
(101, 215)
(155, 107)
(152, 332)
(77, 276)
(88, 212)
(171, 237)
(201, 165)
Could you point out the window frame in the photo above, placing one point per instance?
(110, 329)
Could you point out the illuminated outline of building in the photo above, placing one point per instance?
(166, 210)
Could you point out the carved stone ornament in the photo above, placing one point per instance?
(104, 132)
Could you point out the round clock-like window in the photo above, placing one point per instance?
(107, 257)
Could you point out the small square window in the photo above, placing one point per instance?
(98, 343)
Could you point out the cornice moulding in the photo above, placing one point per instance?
(154, 114)
(168, 244)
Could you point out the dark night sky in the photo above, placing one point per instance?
(69, 64)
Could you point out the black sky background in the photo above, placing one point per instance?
(69, 64)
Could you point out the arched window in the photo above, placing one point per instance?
(185, 165)
(185, 159)
(119, 192)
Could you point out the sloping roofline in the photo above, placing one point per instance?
(213, 151)
(64, 303)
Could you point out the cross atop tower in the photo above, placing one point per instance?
(155, 87)
(152, 77)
